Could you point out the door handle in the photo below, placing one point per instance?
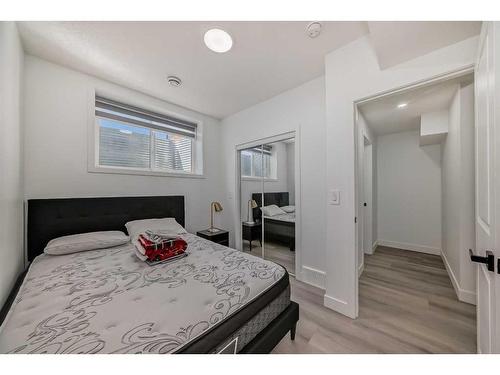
(489, 259)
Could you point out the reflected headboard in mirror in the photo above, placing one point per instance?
(280, 199)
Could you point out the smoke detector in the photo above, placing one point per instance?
(313, 29)
(174, 81)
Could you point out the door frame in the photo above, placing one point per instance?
(451, 74)
(367, 218)
(364, 140)
(298, 194)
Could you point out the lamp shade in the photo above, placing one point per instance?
(217, 206)
(253, 203)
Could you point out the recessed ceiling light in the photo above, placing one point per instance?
(402, 105)
(218, 40)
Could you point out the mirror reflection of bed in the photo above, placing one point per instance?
(278, 218)
(268, 202)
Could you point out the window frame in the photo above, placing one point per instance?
(253, 177)
(93, 166)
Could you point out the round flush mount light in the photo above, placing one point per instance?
(218, 40)
(174, 81)
(402, 105)
(313, 29)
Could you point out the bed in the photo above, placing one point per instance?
(215, 300)
(280, 228)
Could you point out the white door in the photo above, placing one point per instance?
(367, 204)
(487, 133)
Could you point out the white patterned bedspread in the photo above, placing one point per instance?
(288, 217)
(108, 301)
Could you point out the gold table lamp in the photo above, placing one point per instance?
(217, 207)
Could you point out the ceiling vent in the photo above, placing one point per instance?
(313, 29)
(174, 81)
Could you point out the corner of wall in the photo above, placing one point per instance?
(463, 295)
(11, 157)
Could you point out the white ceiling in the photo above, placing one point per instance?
(384, 117)
(267, 58)
(396, 42)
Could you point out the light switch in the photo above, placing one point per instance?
(334, 197)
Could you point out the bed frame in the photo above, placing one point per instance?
(277, 230)
(50, 218)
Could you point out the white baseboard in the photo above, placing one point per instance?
(339, 306)
(313, 277)
(410, 246)
(371, 250)
(361, 268)
(463, 295)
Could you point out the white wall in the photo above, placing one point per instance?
(301, 109)
(434, 123)
(11, 148)
(409, 193)
(278, 184)
(352, 73)
(433, 127)
(56, 113)
(458, 193)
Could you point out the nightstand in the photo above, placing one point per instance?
(252, 232)
(221, 237)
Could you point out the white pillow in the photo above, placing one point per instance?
(85, 241)
(166, 226)
(288, 209)
(272, 210)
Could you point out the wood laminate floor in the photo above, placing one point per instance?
(406, 305)
(274, 252)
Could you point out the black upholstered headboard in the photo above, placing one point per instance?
(280, 199)
(51, 218)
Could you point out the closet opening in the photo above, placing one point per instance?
(267, 200)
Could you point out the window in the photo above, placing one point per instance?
(256, 162)
(131, 138)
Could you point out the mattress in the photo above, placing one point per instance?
(287, 217)
(108, 301)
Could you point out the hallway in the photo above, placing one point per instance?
(407, 305)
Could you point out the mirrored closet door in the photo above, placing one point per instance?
(267, 191)
(251, 190)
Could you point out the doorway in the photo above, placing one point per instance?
(267, 199)
(415, 160)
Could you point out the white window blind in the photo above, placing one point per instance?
(131, 137)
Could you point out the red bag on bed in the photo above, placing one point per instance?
(158, 251)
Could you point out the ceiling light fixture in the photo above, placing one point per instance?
(218, 40)
(174, 81)
(402, 105)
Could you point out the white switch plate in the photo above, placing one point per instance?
(334, 196)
